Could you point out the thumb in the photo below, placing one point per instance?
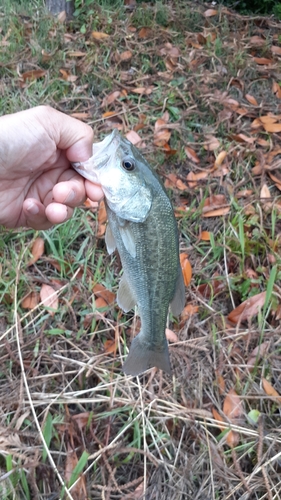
(69, 134)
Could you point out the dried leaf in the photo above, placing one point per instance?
(251, 99)
(189, 311)
(110, 346)
(102, 215)
(205, 236)
(232, 406)
(193, 178)
(262, 60)
(275, 179)
(191, 155)
(276, 50)
(265, 193)
(133, 137)
(220, 158)
(30, 301)
(248, 308)
(49, 297)
(276, 89)
(143, 90)
(270, 391)
(272, 127)
(126, 55)
(33, 74)
(257, 41)
(186, 268)
(144, 32)
(78, 490)
(171, 336)
(81, 116)
(219, 418)
(109, 99)
(100, 303)
(100, 291)
(269, 118)
(99, 35)
(210, 12)
(232, 439)
(37, 251)
(243, 138)
(211, 143)
(215, 205)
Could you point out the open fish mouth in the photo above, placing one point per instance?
(103, 151)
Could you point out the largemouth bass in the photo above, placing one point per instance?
(142, 226)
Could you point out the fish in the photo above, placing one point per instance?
(143, 229)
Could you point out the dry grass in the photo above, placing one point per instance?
(61, 394)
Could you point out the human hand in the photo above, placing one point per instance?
(38, 187)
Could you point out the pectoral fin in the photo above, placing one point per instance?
(128, 239)
(178, 301)
(109, 240)
(125, 298)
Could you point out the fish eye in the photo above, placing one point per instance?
(128, 164)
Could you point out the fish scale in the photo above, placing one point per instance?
(142, 226)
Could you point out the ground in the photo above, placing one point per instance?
(198, 88)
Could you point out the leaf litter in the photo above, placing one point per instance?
(207, 117)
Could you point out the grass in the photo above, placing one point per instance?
(71, 424)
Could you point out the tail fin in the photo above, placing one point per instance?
(142, 357)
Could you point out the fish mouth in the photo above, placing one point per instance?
(102, 152)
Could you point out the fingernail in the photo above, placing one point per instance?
(70, 197)
(32, 209)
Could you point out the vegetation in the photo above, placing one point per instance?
(199, 89)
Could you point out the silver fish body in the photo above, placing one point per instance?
(142, 226)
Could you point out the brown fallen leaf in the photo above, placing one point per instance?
(248, 308)
(215, 206)
(220, 158)
(275, 179)
(171, 336)
(100, 291)
(49, 298)
(272, 127)
(251, 99)
(233, 406)
(219, 419)
(269, 118)
(33, 74)
(211, 143)
(144, 32)
(263, 60)
(205, 236)
(134, 137)
(30, 301)
(143, 90)
(265, 193)
(270, 391)
(276, 50)
(186, 268)
(110, 98)
(276, 89)
(79, 489)
(99, 35)
(125, 56)
(191, 155)
(37, 251)
(110, 346)
(193, 179)
(210, 12)
(189, 311)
